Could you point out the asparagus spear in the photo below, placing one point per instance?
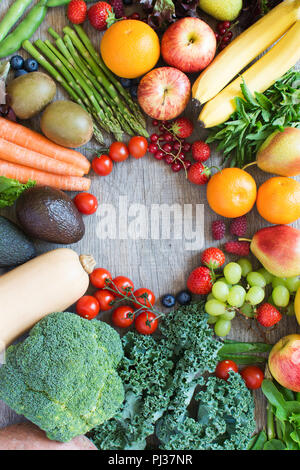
(98, 59)
(27, 46)
(109, 87)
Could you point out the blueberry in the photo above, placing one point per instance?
(20, 72)
(133, 92)
(31, 65)
(168, 300)
(183, 297)
(125, 82)
(17, 62)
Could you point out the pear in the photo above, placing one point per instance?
(222, 10)
(280, 153)
(278, 250)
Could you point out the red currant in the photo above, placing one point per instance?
(153, 148)
(177, 146)
(217, 36)
(154, 138)
(225, 40)
(134, 16)
(168, 137)
(167, 147)
(176, 167)
(226, 24)
(155, 123)
(186, 147)
(159, 155)
(169, 159)
(229, 34)
(186, 164)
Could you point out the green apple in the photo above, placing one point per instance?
(222, 10)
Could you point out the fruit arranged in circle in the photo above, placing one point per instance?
(231, 192)
(164, 93)
(189, 44)
(278, 200)
(130, 48)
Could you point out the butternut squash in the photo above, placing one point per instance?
(48, 283)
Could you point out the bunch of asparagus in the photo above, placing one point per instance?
(76, 65)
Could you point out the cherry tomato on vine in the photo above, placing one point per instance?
(224, 367)
(146, 322)
(123, 316)
(105, 297)
(102, 165)
(253, 377)
(122, 284)
(118, 152)
(87, 307)
(98, 277)
(145, 297)
(138, 146)
(86, 203)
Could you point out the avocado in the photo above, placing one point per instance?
(49, 214)
(15, 247)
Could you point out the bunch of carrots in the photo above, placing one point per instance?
(26, 155)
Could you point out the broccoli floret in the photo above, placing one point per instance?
(225, 418)
(63, 376)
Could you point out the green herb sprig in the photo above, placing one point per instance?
(256, 118)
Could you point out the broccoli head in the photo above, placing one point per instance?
(63, 376)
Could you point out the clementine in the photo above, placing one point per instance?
(278, 200)
(231, 192)
(130, 48)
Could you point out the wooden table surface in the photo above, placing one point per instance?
(162, 265)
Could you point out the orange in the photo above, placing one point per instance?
(130, 48)
(231, 192)
(278, 200)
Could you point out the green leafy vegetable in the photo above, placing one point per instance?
(11, 189)
(258, 116)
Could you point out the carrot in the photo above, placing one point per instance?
(24, 174)
(32, 140)
(15, 154)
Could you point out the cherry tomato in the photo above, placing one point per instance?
(87, 307)
(146, 323)
(98, 277)
(122, 284)
(105, 297)
(123, 316)
(118, 152)
(86, 203)
(138, 147)
(253, 377)
(224, 367)
(102, 165)
(145, 297)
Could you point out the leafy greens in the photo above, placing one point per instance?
(10, 190)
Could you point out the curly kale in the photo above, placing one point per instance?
(63, 376)
(225, 418)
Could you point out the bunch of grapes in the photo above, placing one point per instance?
(242, 290)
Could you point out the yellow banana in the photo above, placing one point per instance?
(275, 63)
(245, 48)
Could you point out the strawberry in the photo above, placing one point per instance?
(76, 11)
(182, 127)
(99, 14)
(267, 315)
(238, 226)
(238, 248)
(200, 151)
(218, 229)
(118, 8)
(198, 173)
(200, 281)
(213, 258)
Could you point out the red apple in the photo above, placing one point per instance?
(284, 362)
(164, 93)
(189, 45)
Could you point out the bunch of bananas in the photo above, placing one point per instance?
(211, 87)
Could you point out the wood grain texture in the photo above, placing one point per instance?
(160, 265)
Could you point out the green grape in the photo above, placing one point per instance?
(281, 296)
(290, 310)
(236, 296)
(233, 273)
(292, 283)
(246, 266)
(215, 307)
(211, 320)
(220, 291)
(268, 276)
(255, 295)
(229, 315)
(278, 281)
(256, 279)
(222, 279)
(210, 297)
(222, 327)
